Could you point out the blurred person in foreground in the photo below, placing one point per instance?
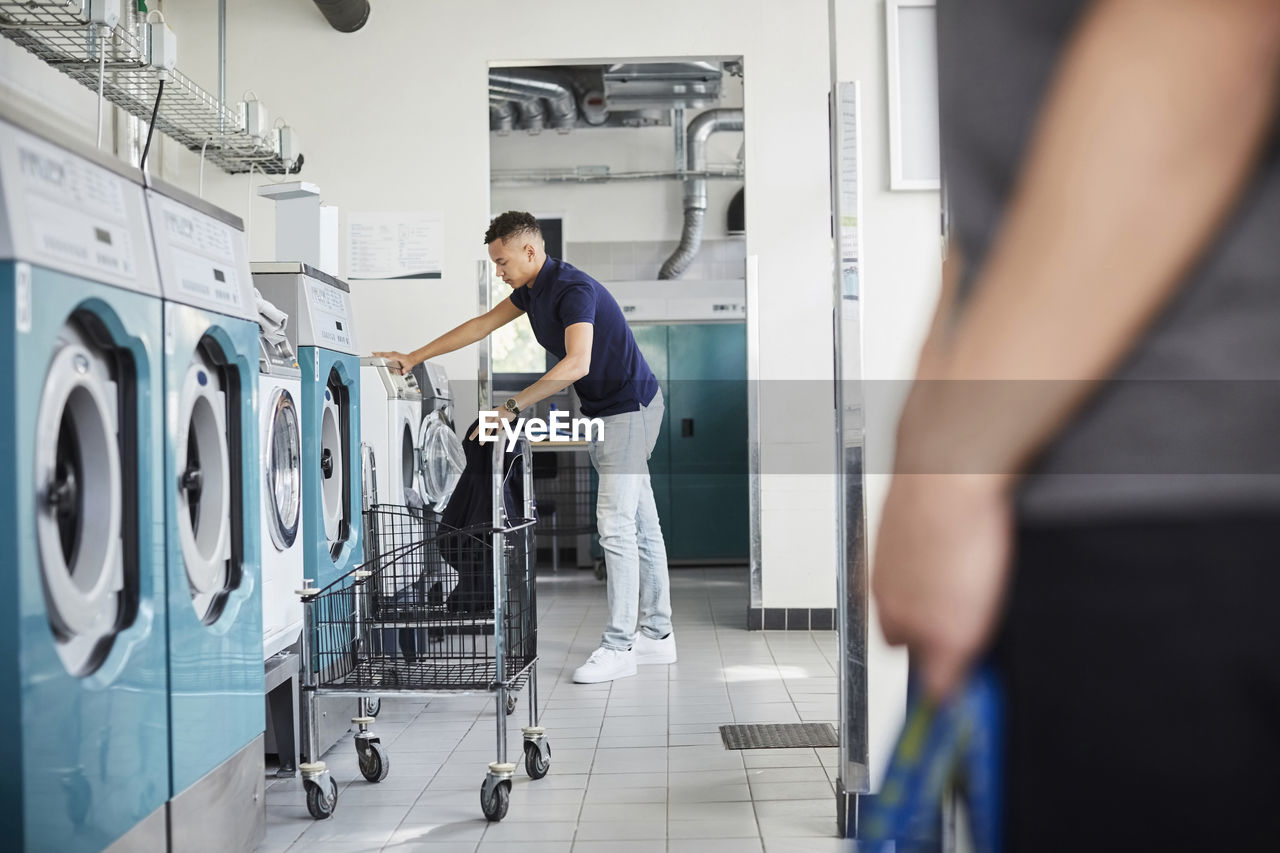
(1087, 481)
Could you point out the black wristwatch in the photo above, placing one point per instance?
(510, 406)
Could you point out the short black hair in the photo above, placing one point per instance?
(511, 224)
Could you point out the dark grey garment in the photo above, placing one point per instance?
(1190, 423)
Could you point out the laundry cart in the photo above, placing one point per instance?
(436, 609)
(566, 506)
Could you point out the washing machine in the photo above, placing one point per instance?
(280, 439)
(440, 458)
(322, 332)
(390, 417)
(82, 637)
(212, 482)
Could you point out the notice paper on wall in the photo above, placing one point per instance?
(847, 186)
(395, 245)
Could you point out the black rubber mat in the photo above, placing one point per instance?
(779, 736)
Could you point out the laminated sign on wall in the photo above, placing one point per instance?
(395, 245)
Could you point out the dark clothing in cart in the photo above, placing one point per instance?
(470, 506)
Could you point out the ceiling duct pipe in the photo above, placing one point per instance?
(695, 188)
(502, 116)
(529, 111)
(345, 16)
(532, 116)
(528, 83)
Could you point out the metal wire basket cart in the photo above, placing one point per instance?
(562, 475)
(435, 609)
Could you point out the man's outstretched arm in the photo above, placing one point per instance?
(458, 337)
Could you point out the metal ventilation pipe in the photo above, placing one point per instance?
(532, 116)
(564, 108)
(695, 188)
(502, 115)
(345, 16)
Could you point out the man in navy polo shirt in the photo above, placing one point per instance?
(578, 321)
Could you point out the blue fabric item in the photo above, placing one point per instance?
(955, 743)
(619, 379)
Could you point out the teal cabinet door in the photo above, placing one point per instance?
(707, 411)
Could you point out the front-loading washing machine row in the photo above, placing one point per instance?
(321, 330)
(82, 637)
(211, 482)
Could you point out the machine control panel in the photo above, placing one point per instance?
(63, 211)
(203, 260)
(331, 316)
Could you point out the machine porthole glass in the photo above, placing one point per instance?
(193, 488)
(441, 461)
(284, 470)
(81, 493)
(205, 486)
(332, 471)
(67, 492)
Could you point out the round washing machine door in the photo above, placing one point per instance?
(283, 480)
(333, 469)
(440, 461)
(204, 485)
(79, 502)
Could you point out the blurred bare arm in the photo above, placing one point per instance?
(1145, 141)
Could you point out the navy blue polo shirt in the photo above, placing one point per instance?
(619, 379)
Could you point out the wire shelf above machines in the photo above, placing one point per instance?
(64, 35)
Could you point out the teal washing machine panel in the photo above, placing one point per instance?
(82, 631)
(331, 474)
(212, 483)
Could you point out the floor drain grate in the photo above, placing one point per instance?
(779, 736)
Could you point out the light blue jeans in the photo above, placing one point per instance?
(635, 555)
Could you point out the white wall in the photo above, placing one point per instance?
(900, 273)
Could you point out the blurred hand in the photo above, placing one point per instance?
(401, 360)
(941, 568)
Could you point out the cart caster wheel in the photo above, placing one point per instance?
(601, 571)
(370, 707)
(320, 804)
(511, 704)
(495, 806)
(377, 764)
(534, 764)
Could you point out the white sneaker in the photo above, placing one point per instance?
(651, 651)
(606, 665)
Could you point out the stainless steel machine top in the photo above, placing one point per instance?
(318, 305)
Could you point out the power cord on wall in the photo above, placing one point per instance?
(155, 110)
(102, 74)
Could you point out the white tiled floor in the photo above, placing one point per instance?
(637, 765)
